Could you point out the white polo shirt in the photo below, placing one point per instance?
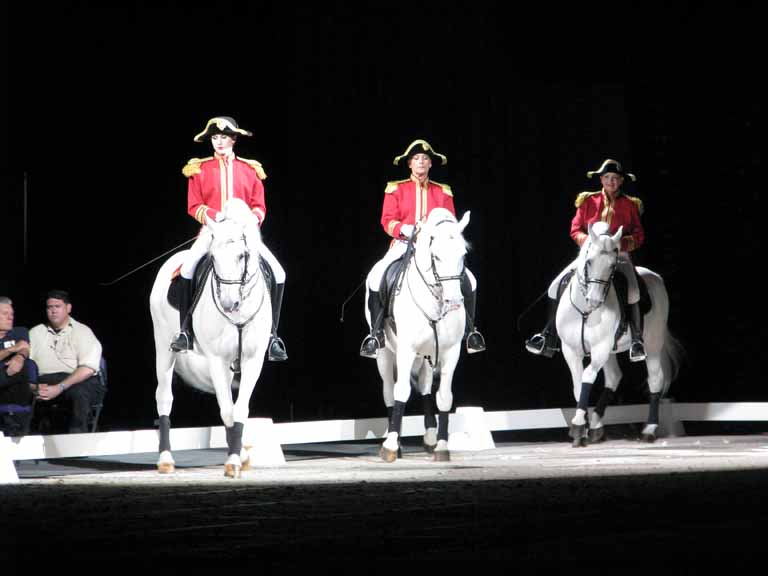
(73, 346)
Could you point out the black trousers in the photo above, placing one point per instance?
(76, 399)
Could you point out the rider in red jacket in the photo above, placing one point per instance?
(617, 209)
(407, 202)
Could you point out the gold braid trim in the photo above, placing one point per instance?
(446, 189)
(200, 213)
(256, 165)
(638, 203)
(391, 227)
(392, 186)
(582, 197)
(193, 166)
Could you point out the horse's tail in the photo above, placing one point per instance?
(672, 357)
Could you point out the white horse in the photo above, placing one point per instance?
(423, 338)
(232, 321)
(588, 316)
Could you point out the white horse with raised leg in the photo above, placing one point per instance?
(424, 335)
(232, 321)
(588, 317)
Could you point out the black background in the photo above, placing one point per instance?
(103, 100)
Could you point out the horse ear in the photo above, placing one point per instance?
(592, 236)
(464, 221)
(616, 238)
(210, 223)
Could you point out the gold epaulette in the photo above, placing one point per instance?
(392, 186)
(256, 166)
(638, 203)
(583, 196)
(446, 189)
(193, 166)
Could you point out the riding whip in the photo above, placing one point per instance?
(350, 298)
(116, 280)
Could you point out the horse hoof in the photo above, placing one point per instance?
(596, 435)
(647, 438)
(388, 455)
(442, 456)
(232, 470)
(245, 457)
(429, 448)
(166, 467)
(580, 442)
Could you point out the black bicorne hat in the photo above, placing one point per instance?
(421, 147)
(221, 125)
(612, 166)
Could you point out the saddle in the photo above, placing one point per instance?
(202, 271)
(390, 286)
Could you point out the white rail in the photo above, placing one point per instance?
(465, 422)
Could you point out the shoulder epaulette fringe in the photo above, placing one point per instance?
(583, 196)
(392, 186)
(193, 166)
(446, 189)
(638, 203)
(256, 165)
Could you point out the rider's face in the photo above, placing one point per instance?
(420, 165)
(611, 182)
(222, 144)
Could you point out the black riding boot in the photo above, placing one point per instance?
(277, 351)
(545, 343)
(374, 340)
(183, 340)
(637, 348)
(475, 340)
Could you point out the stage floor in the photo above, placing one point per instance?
(681, 503)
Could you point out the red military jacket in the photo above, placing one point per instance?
(213, 181)
(624, 211)
(408, 201)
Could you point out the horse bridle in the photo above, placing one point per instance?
(243, 281)
(584, 281)
(435, 287)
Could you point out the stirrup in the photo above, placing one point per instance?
(475, 342)
(637, 351)
(277, 351)
(181, 342)
(370, 347)
(538, 344)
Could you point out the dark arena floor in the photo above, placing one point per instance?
(529, 506)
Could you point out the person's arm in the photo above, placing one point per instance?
(14, 356)
(636, 234)
(51, 391)
(391, 217)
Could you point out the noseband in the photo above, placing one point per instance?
(243, 282)
(585, 281)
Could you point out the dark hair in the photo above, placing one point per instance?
(59, 295)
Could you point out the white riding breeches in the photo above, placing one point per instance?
(624, 265)
(396, 251)
(203, 243)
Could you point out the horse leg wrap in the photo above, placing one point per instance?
(165, 433)
(653, 408)
(429, 411)
(606, 398)
(235, 438)
(396, 419)
(442, 426)
(586, 388)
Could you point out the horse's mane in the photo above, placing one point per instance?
(237, 211)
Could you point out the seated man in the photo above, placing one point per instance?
(15, 394)
(67, 355)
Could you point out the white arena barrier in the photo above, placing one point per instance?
(470, 429)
